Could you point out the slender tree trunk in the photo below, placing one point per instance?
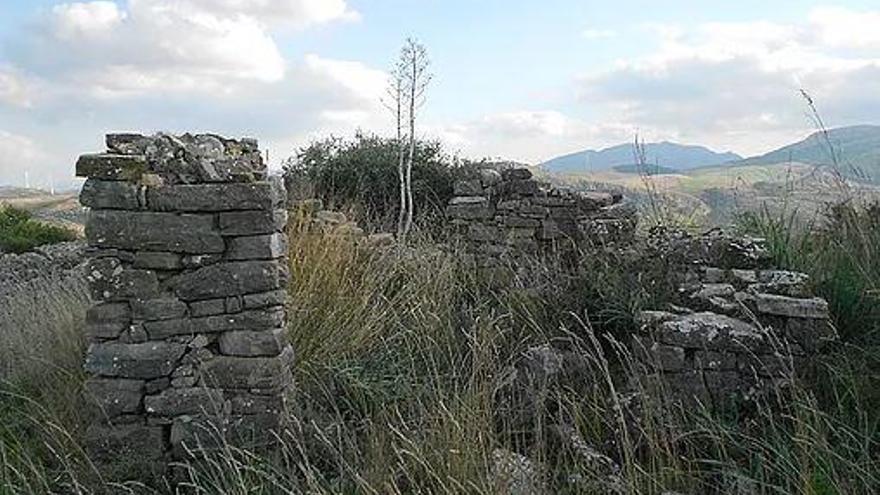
(413, 89)
(401, 178)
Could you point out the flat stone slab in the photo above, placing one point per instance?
(229, 279)
(178, 401)
(252, 343)
(114, 397)
(213, 197)
(258, 247)
(246, 320)
(144, 361)
(150, 231)
(814, 308)
(104, 194)
(109, 166)
(708, 331)
(252, 222)
(127, 452)
(230, 372)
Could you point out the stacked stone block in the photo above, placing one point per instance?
(510, 212)
(187, 272)
(737, 330)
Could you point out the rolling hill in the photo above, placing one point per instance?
(665, 156)
(856, 149)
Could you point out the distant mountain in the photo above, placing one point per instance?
(666, 156)
(857, 149)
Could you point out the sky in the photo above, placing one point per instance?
(515, 80)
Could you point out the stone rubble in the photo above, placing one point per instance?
(187, 267)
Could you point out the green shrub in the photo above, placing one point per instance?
(19, 232)
(363, 172)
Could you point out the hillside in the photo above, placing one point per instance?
(856, 148)
(669, 156)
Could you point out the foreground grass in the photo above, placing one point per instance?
(402, 353)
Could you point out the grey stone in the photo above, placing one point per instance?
(245, 403)
(744, 276)
(179, 401)
(127, 143)
(103, 194)
(109, 166)
(114, 397)
(158, 309)
(468, 188)
(252, 222)
(489, 177)
(107, 320)
(264, 299)
(134, 334)
(127, 452)
(231, 372)
(158, 260)
(145, 361)
(213, 197)
(469, 200)
(331, 217)
(201, 260)
(229, 279)
(483, 233)
(470, 211)
(550, 229)
(522, 187)
(153, 231)
(247, 320)
(208, 307)
(110, 281)
(252, 343)
(772, 304)
(515, 474)
(268, 246)
(709, 331)
(712, 360)
(156, 385)
(516, 174)
(667, 357)
(520, 222)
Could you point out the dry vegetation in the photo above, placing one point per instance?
(402, 354)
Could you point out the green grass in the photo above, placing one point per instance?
(19, 232)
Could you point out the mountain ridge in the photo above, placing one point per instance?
(663, 154)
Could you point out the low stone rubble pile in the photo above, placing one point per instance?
(188, 273)
(507, 212)
(737, 328)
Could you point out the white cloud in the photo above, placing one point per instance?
(735, 85)
(14, 89)
(840, 27)
(598, 34)
(19, 154)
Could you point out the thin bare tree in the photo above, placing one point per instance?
(395, 104)
(414, 63)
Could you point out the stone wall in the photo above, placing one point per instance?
(187, 271)
(510, 212)
(737, 330)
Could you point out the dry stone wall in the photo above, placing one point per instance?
(187, 271)
(509, 212)
(738, 329)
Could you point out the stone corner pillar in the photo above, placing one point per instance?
(187, 272)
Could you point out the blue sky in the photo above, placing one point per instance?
(518, 80)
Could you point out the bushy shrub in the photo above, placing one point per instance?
(19, 232)
(362, 172)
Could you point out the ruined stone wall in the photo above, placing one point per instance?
(509, 212)
(737, 330)
(187, 271)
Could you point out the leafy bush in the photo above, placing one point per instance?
(19, 232)
(363, 172)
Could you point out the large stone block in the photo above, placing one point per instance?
(157, 309)
(213, 197)
(113, 397)
(178, 401)
(710, 331)
(229, 279)
(151, 231)
(158, 260)
(252, 222)
(252, 343)
(107, 320)
(477, 210)
(264, 299)
(144, 361)
(114, 195)
(258, 247)
(468, 188)
(110, 281)
(791, 307)
(246, 320)
(265, 373)
(108, 166)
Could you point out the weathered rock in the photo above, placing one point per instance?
(516, 174)
(266, 373)
(264, 299)
(208, 307)
(113, 397)
(252, 343)
(107, 320)
(229, 279)
(158, 260)
(153, 231)
(239, 223)
(127, 452)
(110, 281)
(489, 177)
(116, 195)
(331, 217)
(157, 309)
(247, 320)
(268, 246)
(468, 188)
(816, 307)
(108, 166)
(213, 197)
(179, 401)
(145, 361)
(709, 331)
(515, 474)
(245, 403)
